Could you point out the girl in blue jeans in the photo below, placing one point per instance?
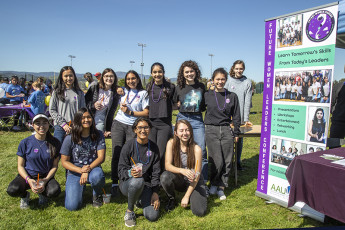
(82, 154)
(189, 96)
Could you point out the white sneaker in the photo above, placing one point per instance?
(24, 202)
(213, 190)
(221, 194)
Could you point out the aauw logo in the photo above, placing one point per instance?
(280, 189)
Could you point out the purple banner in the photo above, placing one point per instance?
(264, 159)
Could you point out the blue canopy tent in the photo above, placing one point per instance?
(341, 25)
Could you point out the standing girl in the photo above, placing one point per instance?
(160, 93)
(102, 99)
(183, 163)
(66, 99)
(222, 109)
(134, 104)
(318, 127)
(82, 154)
(189, 95)
(242, 87)
(38, 159)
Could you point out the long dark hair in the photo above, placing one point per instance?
(60, 86)
(176, 147)
(77, 127)
(237, 62)
(315, 120)
(166, 84)
(101, 80)
(139, 85)
(181, 81)
(53, 145)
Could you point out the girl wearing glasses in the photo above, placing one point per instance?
(133, 104)
(139, 170)
(102, 99)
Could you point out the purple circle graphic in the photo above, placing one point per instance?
(320, 26)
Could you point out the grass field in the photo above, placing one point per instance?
(241, 210)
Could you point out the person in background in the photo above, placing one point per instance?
(67, 98)
(338, 112)
(48, 89)
(98, 75)
(82, 154)
(89, 80)
(4, 83)
(36, 99)
(242, 87)
(15, 93)
(140, 184)
(325, 90)
(38, 160)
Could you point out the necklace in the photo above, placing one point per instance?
(148, 153)
(40, 145)
(215, 95)
(130, 102)
(160, 93)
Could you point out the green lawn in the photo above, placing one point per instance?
(241, 210)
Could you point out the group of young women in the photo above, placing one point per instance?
(146, 152)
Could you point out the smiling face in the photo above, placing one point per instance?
(86, 120)
(41, 126)
(189, 75)
(157, 74)
(219, 81)
(142, 130)
(238, 69)
(132, 81)
(182, 132)
(68, 78)
(108, 79)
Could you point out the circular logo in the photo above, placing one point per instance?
(36, 150)
(227, 100)
(320, 26)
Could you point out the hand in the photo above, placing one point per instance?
(155, 201)
(236, 139)
(67, 129)
(188, 173)
(107, 134)
(178, 104)
(98, 105)
(21, 95)
(34, 187)
(120, 91)
(83, 178)
(124, 107)
(184, 202)
(315, 135)
(248, 123)
(85, 169)
(135, 173)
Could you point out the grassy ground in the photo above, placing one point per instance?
(241, 210)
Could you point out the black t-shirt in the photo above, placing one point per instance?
(159, 104)
(191, 98)
(149, 157)
(221, 111)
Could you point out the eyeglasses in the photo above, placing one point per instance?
(140, 128)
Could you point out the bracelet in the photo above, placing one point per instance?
(26, 179)
(129, 173)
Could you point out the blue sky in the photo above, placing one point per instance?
(38, 36)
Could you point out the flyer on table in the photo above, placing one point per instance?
(299, 67)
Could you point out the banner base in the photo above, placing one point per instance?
(299, 207)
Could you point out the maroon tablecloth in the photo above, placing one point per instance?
(9, 110)
(318, 183)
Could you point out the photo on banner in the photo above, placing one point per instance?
(289, 31)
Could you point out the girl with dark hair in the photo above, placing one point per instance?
(66, 99)
(189, 96)
(102, 99)
(318, 127)
(15, 93)
(139, 170)
(38, 158)
(222, 109)
(161, 94)
(133, 104)
(242, 87)
(82, 154)
(183, 160)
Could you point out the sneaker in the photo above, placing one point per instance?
(42, 200)
(16, 128)
(114, 190)
(138, 204)
(221, 195)
(171, 205)
(97, 201)
(130, 219)
(213, 190)
(207, 190)
(24, 202)
(33, 133)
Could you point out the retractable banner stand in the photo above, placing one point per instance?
(299, 67)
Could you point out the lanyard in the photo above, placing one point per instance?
(148, 153)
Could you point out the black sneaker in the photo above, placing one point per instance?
(130, 219)
(138, 204)
(171, 205)
(114, 191)
(239, 167)
(97, 201)
(42, 200)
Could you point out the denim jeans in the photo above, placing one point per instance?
(59, 133)
(199, 136)
(74, 191)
